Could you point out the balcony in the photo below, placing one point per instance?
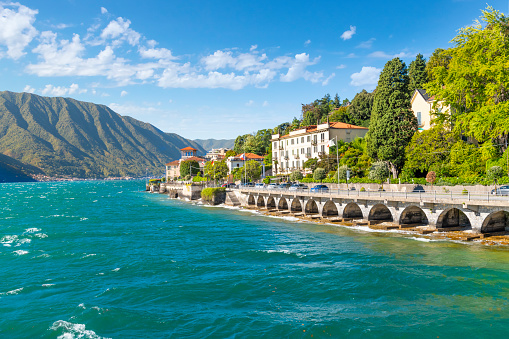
(285, 157)
(314, 142)
(308, 155)
(297, 157)
(281, 147)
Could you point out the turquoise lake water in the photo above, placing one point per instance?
(105, 260)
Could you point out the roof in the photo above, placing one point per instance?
(425, 95)
(342, 125)
(249, 156)
(173, 163)
(188, 149)
(194, 158)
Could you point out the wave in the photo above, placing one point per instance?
(20, 252)
(70, 330)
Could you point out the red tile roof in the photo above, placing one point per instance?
(173, 163)
(188, 149)
(344, 126)
(195, 158)
(249, 156)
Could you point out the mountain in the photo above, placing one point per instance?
(11, 170)
(209, 144)
(67, 137)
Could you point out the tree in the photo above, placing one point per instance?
(339, 114)
(439, 58)
(431, 177)
(217, 171)
(319, 174)
(475, 83)
(189, 167)
(495, 172)
(392, 122)
(311, 164)
(230, 153)
(379, 171)
(238, 146)
(341, 173)
(337, 101)
(253, 169)
(360, 109)
(417, 74)
(296, 176)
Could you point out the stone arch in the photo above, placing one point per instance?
(251, 200)
(352, 210)
(453, 217)
(260, 202)
(271, 203)
(495, 222)
(330, 209)
(380, 212)
(413, 215)
(282, 204)
(296, 205)
(311, 207)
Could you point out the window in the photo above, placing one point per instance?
(309, 138)
(309, 149)
(275, 145)
(292, 141)
(302, 151)
(302, 140)
(315, 149)
(293, 151)
(323, 148)
(419, 118)
(293, 163)
(322, 137)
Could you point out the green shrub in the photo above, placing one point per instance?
(363, 189)
(495, 172)
(319, 174)
(464, 192)
(209, 193)
(296, 176)
(307, 180)
(309, 176)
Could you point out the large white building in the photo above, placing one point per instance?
(290, 152)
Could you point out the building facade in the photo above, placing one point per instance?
(187, 153)
(239, 160)
(216, 154)
(422, 106)
(290, 152)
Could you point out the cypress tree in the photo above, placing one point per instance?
(392, 122)
(417, 73)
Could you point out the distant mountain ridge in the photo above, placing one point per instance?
(209, 144)
(67, 137)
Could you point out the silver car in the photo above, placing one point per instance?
(502, 190)
(298, 187)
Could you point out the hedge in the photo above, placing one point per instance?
(209, 193)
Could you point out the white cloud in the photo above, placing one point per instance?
(243, 61)
(16, 30)
(298, 70)
(368, 76)
(61, 26)
(119, 30)
(329, 78)
(307, 42)
(265, 103)
(123, 93)
(29, 89)
(366, 44)
(156, 53)
(61, 91)
(253, 47)
(380, 54)
(351, 56)
(341, 66)
(347, 35)
(104, 10)
(250, 103)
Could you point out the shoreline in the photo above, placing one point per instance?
(463, 237)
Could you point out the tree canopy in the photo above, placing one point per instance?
(417, 74)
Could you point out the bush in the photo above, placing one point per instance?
(495, 172)
(379, 171)
(363, 189)
(209, 193)
(296, 176)
(309, 176)
(266, 180)
(187, 177)
(319, 174)
(464, 192)
(199, 179)
(431, 177)
(342, 172)
(307, 180)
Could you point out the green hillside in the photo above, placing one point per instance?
(66, 137)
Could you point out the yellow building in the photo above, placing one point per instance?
(422, 106)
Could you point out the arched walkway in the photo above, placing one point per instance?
(271, 203)
(329, 209)
(380, 212)
(296, 206)
(282, 205)
(352, 210)
(311, 207)
(413, 215)
(260, 202)
(251, 200)
(453, 217)
(495, 222)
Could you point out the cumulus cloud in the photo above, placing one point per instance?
(329, 78)
(368, 76)
(29, 89)
(250, 103)
(265, 103)
(341, 66)
(380, 54)
(16, 29)
(119, 30)
(104, 10)
(298, 70)
(61, 91)
(347, 35)
(243, 61)
(123, 93)
(307, 42)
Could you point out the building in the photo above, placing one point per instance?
(216, 154)
(187, 153)
(239, 160)
(290, 152)
(422, 106)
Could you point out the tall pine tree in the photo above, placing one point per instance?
(392, 122)
(417, 73)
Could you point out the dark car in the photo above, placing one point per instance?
(319, 188)
(502, 190)
(298, 187)
(247, 184)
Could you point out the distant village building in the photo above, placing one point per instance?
(422, 106)
(239, 160)
(290, 152)
(187, 153)
(216, 154)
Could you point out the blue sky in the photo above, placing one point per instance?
(216, 69)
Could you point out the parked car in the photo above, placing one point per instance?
(502, 190)
(320, 188)
(229, 185)
(260, 185)
(247, 184)
(272, 186)
(284, 185)
(298, 187)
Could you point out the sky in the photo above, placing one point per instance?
(216, 69)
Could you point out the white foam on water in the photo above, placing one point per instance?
(41, 235)
(47, 285)
(88, 255)
(285, 252)
(32, 230)
(23, 241)
(13, 292)
(9, 239)
(20, 252)
(73, 331)
(83, 219)
(116, 269)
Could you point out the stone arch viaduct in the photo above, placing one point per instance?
(443, 214)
